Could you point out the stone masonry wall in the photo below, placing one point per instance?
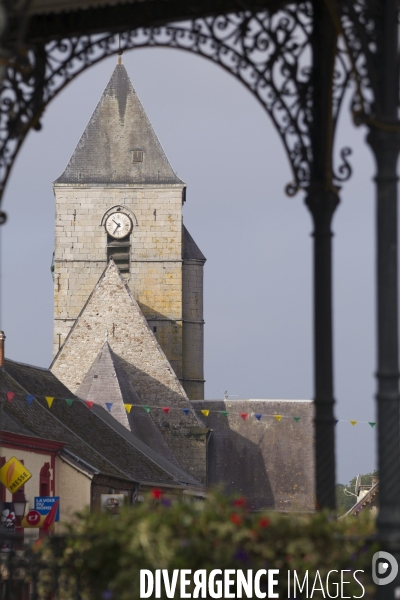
(193, 329)
(112, 310)
(155, 276)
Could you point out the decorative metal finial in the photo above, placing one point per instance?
(120, 51)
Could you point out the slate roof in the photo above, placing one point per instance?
(190, 248)
(105, 382)
(271, 463)
(118, 126)
(92, 435)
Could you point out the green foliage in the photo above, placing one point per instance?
(106, 553)
(345, 502)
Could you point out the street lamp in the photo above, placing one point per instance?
(20, 503)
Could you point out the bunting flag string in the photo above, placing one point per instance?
(49, 400)
(10, 396)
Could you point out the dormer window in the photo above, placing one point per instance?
(137, 156)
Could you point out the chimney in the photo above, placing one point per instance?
(2, 338)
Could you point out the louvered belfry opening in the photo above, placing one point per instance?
(119, 251)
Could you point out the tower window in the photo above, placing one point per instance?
(155, 329)
(137, 156)
(119, 251)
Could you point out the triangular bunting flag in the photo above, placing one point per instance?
(258, 416)
(185, 411)
(49, 400)
(205, 412)
(109, 406)
(372, 424)
(336, 421)
(224, 413)
(278, 417)
(89, 403)
(166, 409)
(69, 401)
(128, 407)
(146, 408)
(10, 396)
(297, 419)
(29, 399)
(244, 416)
(353, 423)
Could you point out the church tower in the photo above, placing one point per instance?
(119, 199)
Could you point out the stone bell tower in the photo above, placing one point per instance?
(119, 198)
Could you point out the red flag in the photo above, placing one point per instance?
(10, 396)
(50, 517)
(244, 416)
(89, 403)
(166, 409)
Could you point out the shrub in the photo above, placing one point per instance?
(105, 553)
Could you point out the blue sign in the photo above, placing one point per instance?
(44, 504)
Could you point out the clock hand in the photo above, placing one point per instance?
(118, 225)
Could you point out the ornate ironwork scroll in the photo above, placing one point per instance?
(269, 53)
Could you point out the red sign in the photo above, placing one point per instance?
(33, 518)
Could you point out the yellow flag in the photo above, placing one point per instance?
(278, 417)
(353, 423)
(128, 407)
(205, 412)
(14, 474)
(49, 400)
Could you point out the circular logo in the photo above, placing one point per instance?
(384, 568)
(33, 518)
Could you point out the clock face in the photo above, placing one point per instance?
(118, 225)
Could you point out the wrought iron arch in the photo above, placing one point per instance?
(269, 53)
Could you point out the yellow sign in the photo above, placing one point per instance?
(14, 474)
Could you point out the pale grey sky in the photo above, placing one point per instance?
(258, 288)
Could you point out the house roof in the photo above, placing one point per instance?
(119, 127)
(367, 501)
(92, 435)
(191, 251)
(107, 382)
(269, 462)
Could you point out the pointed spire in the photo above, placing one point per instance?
(119, 144)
